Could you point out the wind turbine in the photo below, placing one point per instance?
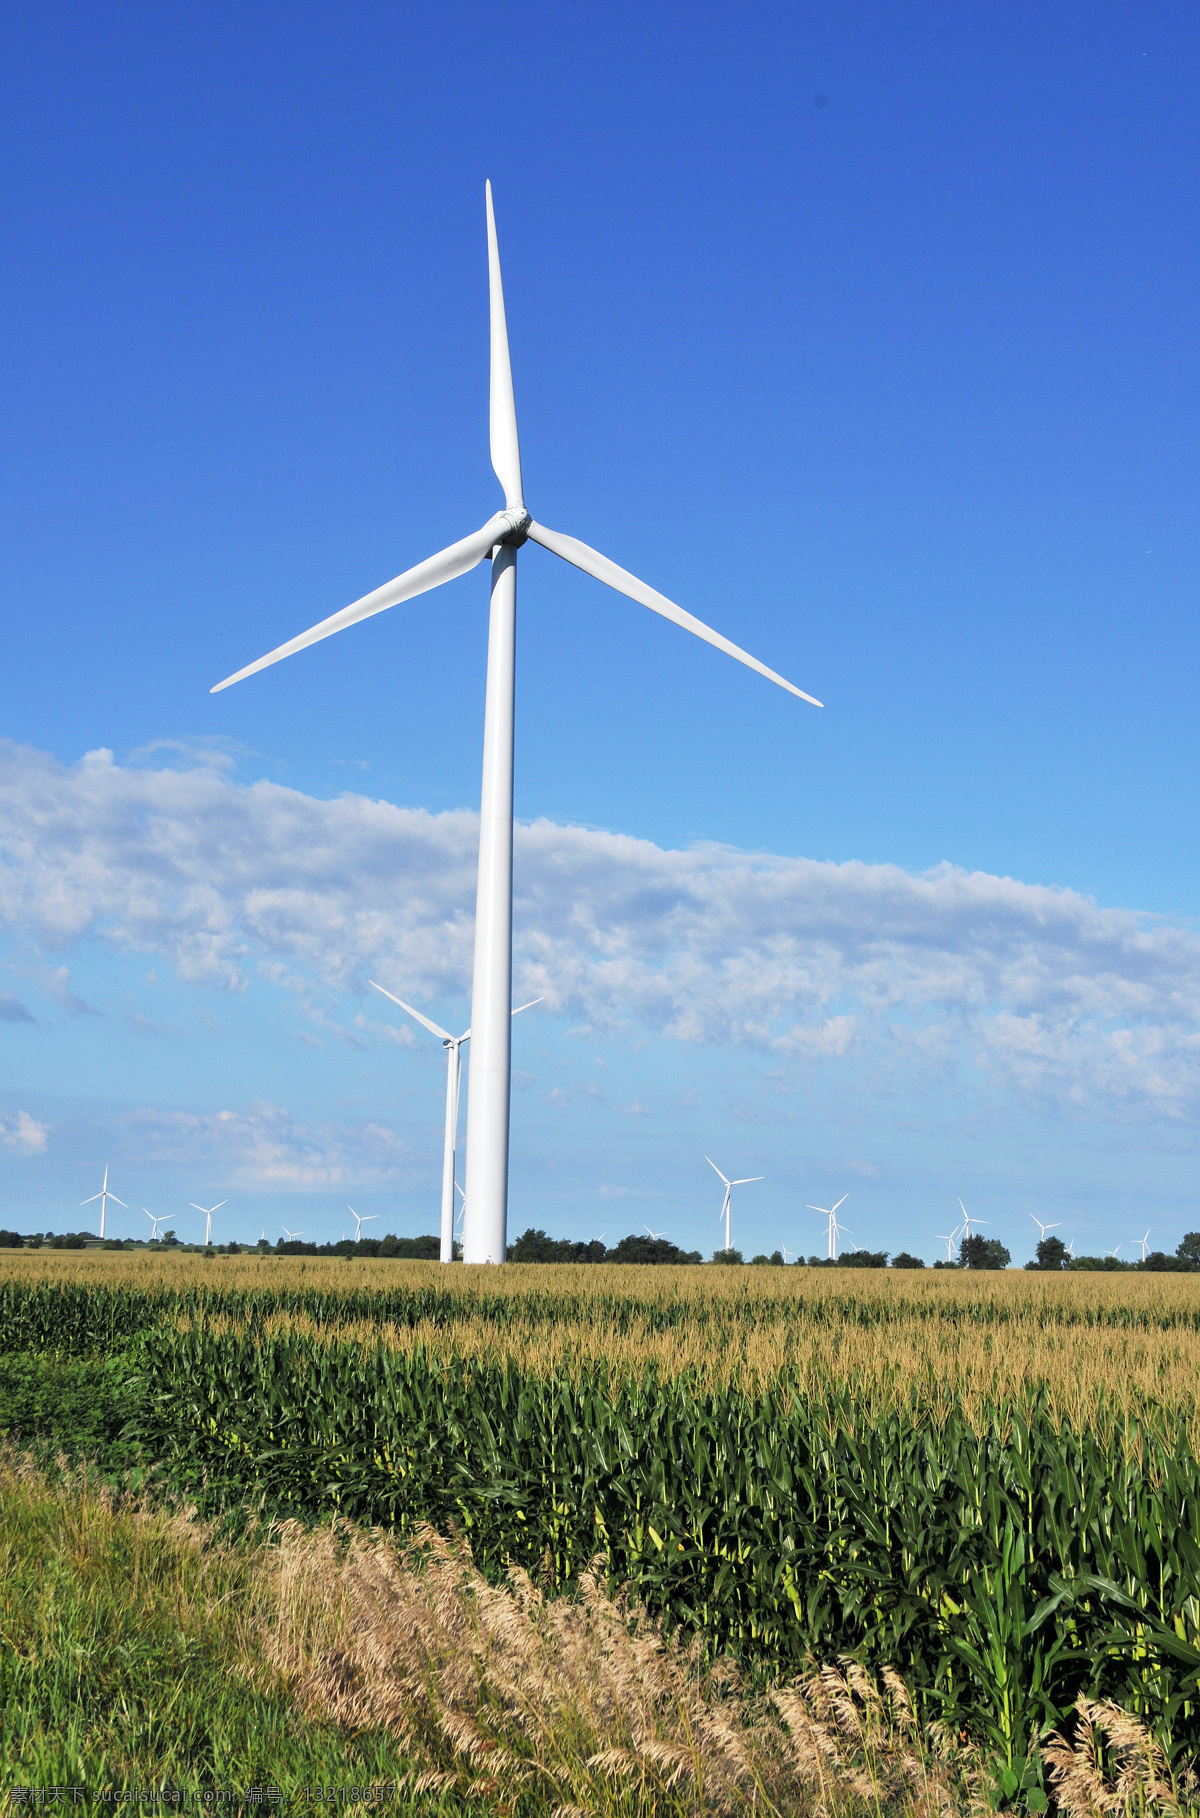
(1071, 1248)
(1041, 1227)
(291, 1235)
(729, 1186)
(489, 1093)
(208, 1212)
(835, 1230)
(360, 1222)
(659, 1235)
(1143, 1241)
(968, 1221)
(453, 1046)
(104, 1196)
(783, 1249)
(948, 1239)
(154, 1224)
(1113, 1251)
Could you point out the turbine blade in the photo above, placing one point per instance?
(842, 1201)
(506, 450)
(118, 1202)
(447, 565)
(528, 1006)
(87, 1202)
(571, 550)
(432, 1027)
(712, 1164)
(745, 1182)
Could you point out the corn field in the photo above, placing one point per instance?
(992, 1487)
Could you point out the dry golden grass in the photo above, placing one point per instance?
(1114, 1767)
(578, 1707)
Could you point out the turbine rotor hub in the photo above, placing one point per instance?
(518, 521)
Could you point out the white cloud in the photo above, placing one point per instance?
(24, 1134)
(264, 1146)
(1027, 985)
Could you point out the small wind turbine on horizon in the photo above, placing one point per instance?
(1113, 1251)
(360, 1222)
(291, 1235)
(968, 1221)
(724, 1213)
(949, 1239)
(154, 1224)
(104, 1196)
(659, 1235)
(835, 1230)
(485, 1237)
(453, 1045)
(1056, 1226)
(208, 1212)
(1143, 1241)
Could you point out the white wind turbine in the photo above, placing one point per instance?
(1044, 1228)
(360, 1222)
(208, 1212)
(835, 1230)
(154, 1224)
(1113, 1251)
(968, 1221)
(658, 1235)
(453, 1046)
(1143, 1241)
(488, 1097)
(729, 1186)
(291, 1235)
(104, 1196)
(949, 1239)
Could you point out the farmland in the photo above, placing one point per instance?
(990, 1483)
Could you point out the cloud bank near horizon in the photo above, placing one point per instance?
(1032, 988)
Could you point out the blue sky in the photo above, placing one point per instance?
(869, 335)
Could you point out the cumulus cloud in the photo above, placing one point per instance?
(1025, 984)
(264, 1146)
(24, 1134)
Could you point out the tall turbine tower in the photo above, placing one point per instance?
(104, 1196)
(835, 1230)
(485, 1227)
(453, 1044)
(729, 1186)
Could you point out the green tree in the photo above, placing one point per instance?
(1189, 1250)
(728, 1256)
(907, 1261)
(983, 1253)
(1052, 1254)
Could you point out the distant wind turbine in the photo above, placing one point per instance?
(835, 1230)
(1143, 1241)
(360, 1222)
(659, 1235)
(1113, 1251)
(154, 1224)
(453, 1046)
(784, 1252)
(208, 1212)
(104, 1196)
(489, 1095)
(729, 1186)
(968, 1221)
(291, 1235)
(1057, 1226)
(949, 1239)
